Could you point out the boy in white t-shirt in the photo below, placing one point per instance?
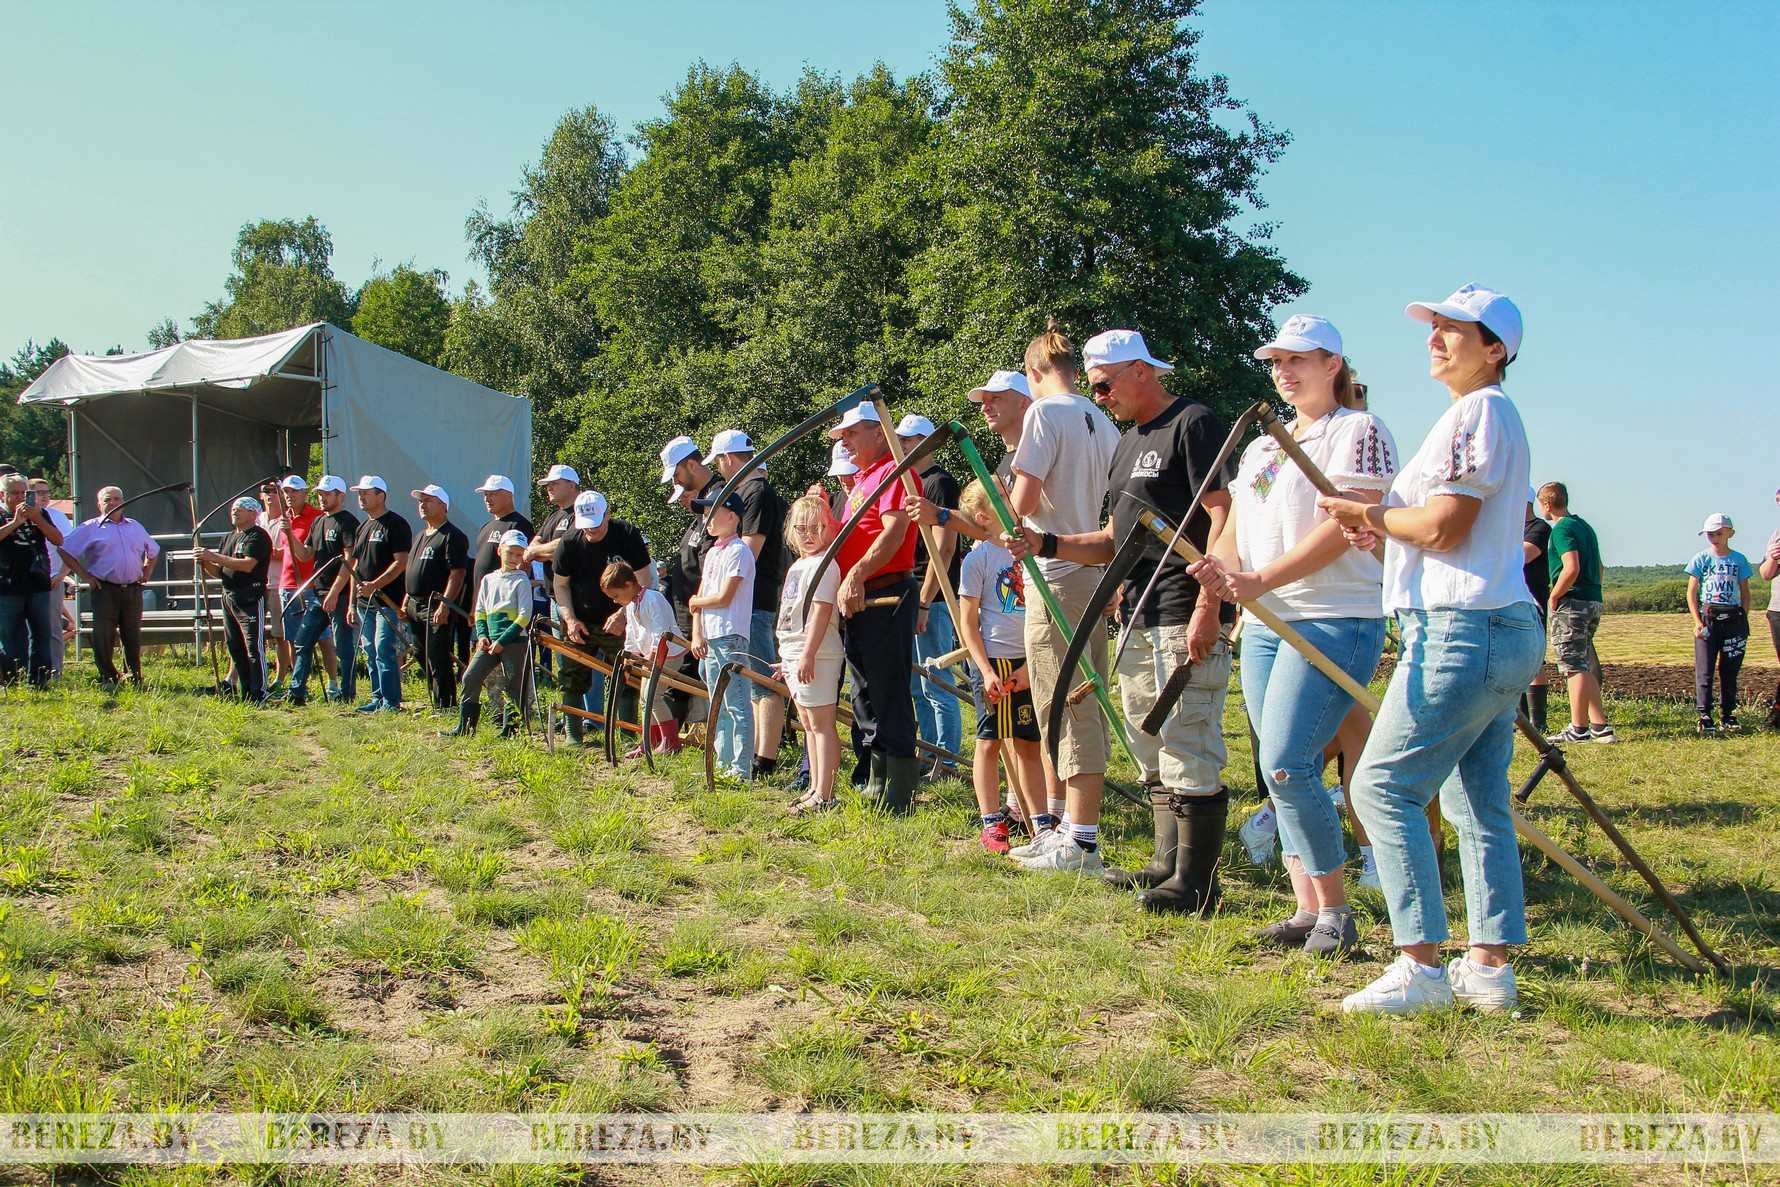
(992, 602)
(646, 620)
(722, 613)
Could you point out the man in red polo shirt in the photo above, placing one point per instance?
(878, 562)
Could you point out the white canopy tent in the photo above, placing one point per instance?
(223, 414)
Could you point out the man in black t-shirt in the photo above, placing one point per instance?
(680, 465)
(329, 538)
(596, 541)
(763, 530)
(504, 517)
(437, 565)
(29, 613)
(241, 564)
(377, 560)
(1535, 540)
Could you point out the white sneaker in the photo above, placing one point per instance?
(1404, 989)
(1066, 858)
(1046, 839)
(1369, 873)
(1486, 990)
(1259, 839)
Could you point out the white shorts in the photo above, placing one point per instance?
(825, 689)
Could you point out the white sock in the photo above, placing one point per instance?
(1483, 970)
(1265, 820)
(1433, 972)
(1366, 857)
(1057, 805)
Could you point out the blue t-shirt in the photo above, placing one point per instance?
(1720, 577)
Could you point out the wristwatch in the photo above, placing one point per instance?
(945, 515)
(1047, 545)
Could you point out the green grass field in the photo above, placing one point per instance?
(208, 905)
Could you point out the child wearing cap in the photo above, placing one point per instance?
(722, 611)
(810, 650)
(646, 620)
(1718, 599)
(502, 615)
(992, 606)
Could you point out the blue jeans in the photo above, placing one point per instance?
(1296, 710)
(937, 713)
(732, 747)
(377, 630)
(1447, 729)
(763, 650)
(313, 624)
(26, 622)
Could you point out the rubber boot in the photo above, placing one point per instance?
(509, 721)
(577, 729)
(667, 737)
(1161, 867)
(901, 777)
(1193, 890)
(877, 780)
(468, 716)
(1540, 696)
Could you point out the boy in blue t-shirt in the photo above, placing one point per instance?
(1718, 597)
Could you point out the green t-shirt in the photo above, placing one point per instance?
(1572, 534)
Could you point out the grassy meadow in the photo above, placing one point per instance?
(210, 905)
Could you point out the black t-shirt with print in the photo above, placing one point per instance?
(376, 544)
(21, 570)
(559, 523)
(329, 538)
(942, 490)
(763, 514)
(582, 561)
(488, 547)
(436, 552)
(251, 542)
(1537, 570)
(1162, 463)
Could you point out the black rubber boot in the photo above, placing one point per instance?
(1194, 890)
(1538, 697)
(509, 721)
(1161, 867)
(577, 729)
(468, 716)
(878, 779)
(901, 777)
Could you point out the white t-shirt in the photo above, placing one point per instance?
(1275, 507)
(63, 525)
(1478, 448)
(792, 624)
(646, 620)
(1067, 443)
(1773, 550)
(993, 577)
(731, 559)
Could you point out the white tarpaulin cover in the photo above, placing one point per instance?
(256, 404)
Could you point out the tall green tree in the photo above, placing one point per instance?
(404, 310)
(283, 277)
(1089, 171)
(35, 439)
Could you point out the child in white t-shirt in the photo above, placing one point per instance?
(810, 651)
(992, 605)
(722, 613)
(646, 620)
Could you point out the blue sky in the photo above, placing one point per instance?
(1613, 167)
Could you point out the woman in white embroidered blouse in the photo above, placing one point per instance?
(1280, 545)
(1472, 641)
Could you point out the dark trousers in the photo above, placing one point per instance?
(1774, 630)
(1727, 638)
(117, 614)
(881, 659)
(28, 624)
(483, 665)
(437, 646)
(244, 627)
(580, 685)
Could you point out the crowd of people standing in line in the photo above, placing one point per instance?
(1451, 543)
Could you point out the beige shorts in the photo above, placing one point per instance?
(825, 689)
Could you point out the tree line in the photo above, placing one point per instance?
(751, 254)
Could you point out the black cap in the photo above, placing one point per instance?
(732, 503)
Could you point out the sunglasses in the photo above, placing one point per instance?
(1105, 386)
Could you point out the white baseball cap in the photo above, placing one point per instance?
(679, 493)
(1478, 304)
(1302, 334)
(1110, 347)
(560, 473)
(372, 482)
(839, 464)
(675, 452)
(330, 482)
(1002, 381)
(590, 509)
(914, 425)
(435, 490)
(496, 482)
(294, 482)
(727, 441)
(509, 539)
(1715, 522)
(859, 414)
